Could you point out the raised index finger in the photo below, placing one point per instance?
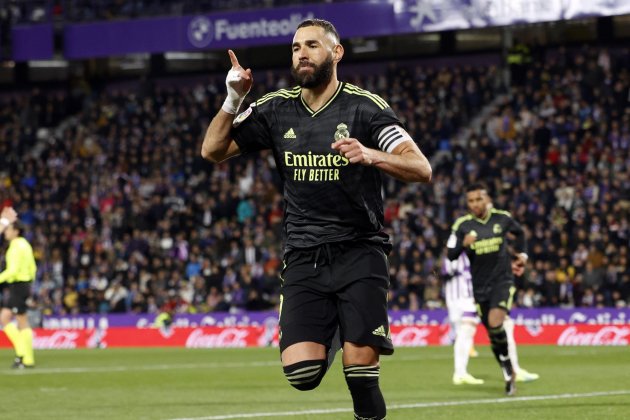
(233, 59)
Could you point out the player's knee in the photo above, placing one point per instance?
(363, 384)
(496, 329)
(496, 317)
(497, 334)
(305, 375)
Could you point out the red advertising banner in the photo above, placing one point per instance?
(560, 335)
(575, 335)
(225, 337)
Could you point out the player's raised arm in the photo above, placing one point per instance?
(217, 144)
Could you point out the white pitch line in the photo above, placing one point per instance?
(214, 365)
(50, 371)
(415, 405)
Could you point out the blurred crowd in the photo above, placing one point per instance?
(125, 216)
(556, 155)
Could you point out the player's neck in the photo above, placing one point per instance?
(483, 216)
(317, 97)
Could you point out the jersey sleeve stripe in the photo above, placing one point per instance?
(367, 96)
(375, 98)
(461, 220)
(282, 93)
(277, 95)
(503, 212)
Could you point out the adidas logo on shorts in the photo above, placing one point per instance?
(380, 331)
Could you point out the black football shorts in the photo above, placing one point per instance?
(500, 296)
(336, 285)
(18, 293)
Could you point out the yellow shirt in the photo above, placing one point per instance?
(20, 262)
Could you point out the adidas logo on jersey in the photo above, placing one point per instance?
(290, 134)
(380, 331)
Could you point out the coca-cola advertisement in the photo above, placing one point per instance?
(567, 335)
(202, 337)
(60, 339)
(419, 335)
(595, 336)
(261, 336)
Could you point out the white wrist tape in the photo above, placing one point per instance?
(231, 106)
(233, 100)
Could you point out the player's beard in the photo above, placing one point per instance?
(321, 74)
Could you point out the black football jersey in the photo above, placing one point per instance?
(490, 259)
(327, 199)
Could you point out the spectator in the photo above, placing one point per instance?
(150, 208)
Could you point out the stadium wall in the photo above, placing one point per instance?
(249, 336)
(545, 326)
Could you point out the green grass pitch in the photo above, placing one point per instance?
(166, 384)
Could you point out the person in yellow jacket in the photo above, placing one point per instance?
(18, 276)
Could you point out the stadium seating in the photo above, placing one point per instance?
(125, 216)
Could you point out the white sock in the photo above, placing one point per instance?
(463, 344)
(508, 325)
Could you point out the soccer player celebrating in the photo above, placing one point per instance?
(331, 142)
(19, 275)
(482, 235)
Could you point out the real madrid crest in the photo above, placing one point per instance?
(342, 132)
(496, 229)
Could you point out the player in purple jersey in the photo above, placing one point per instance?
(462, 314)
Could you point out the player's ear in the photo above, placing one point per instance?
(337, 53)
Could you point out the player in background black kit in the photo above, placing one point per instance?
(331, 142)
(482, 234)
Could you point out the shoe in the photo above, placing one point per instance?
(17, 363)
(510, 386)
(473, 352)
(466, 379)
(525, 376)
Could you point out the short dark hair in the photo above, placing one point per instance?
(19, 226)
(477, 186)
(327, 26)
